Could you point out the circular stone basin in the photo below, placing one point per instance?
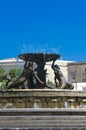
(38, 57)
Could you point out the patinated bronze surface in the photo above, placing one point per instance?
(59, 78)
(40, 59)
(29, 73)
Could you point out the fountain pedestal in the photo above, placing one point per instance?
(43, 109)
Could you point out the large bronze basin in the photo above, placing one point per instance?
(41, 57)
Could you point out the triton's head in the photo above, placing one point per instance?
(30, 63)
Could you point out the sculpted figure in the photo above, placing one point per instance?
(59, 78)
(27, 74)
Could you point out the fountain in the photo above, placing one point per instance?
(29, 73)
(40, 59)
(39, 75)
(40, 106)
(38, 92)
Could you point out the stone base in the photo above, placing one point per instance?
(42, 98)
(43, 109)
(43, 119)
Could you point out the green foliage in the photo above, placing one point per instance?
(51, 84)
(3, 84)
(18, 72)
(13, 73)
(2, 74)
(1, 70)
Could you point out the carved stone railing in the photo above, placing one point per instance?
(42, 98)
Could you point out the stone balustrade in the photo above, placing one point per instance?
(42, 98)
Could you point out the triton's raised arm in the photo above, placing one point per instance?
(53, 64)
(25, 64)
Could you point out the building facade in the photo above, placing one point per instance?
(73, 71)
(11, 63)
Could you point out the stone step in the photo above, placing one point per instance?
(43, 111)
(42, 118)
(16, 121)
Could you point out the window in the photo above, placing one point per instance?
(84, 69)
(74, 78)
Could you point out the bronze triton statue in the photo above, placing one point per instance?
(37, 78)
(59, 78)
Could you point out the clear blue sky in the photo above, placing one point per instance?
(50, 26)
